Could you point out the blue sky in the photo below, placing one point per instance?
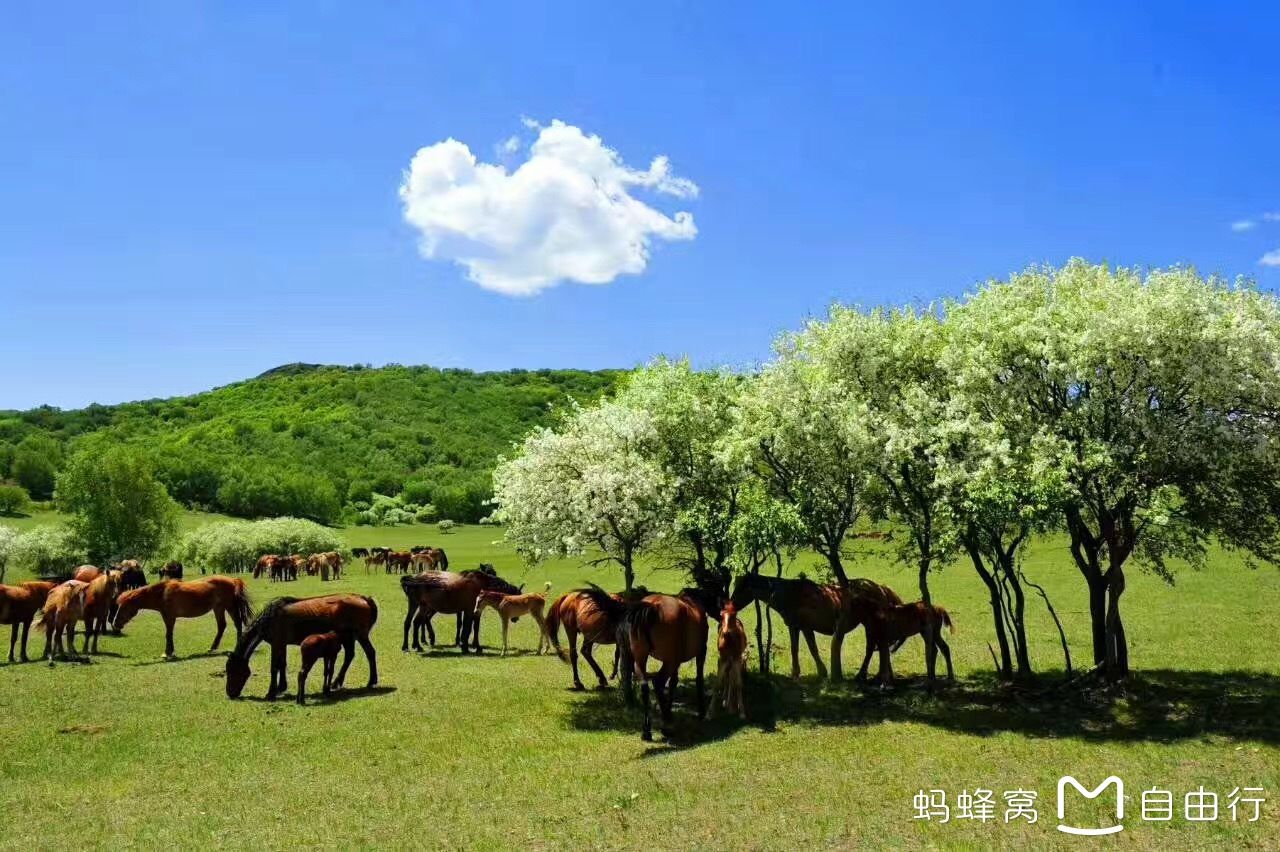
(191, 195)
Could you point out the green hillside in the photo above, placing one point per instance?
(311, 440)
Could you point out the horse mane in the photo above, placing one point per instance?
(268, 614)
(489, 579)
(604, 601)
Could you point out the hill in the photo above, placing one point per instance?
(310, 439)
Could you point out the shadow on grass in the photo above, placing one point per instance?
(346, 693)
(204, 655)
(452, 652)
(1154, 706)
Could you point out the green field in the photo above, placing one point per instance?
(498, 753)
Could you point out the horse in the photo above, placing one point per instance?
(171, 570)
(511, 607)
(19, 605)
(265, 565)
(359, 552)
(62, 609)
(131, 575)
(86, 573)
(731, 647)
(288, 621)
(807, 607)
(334, 559)
(901, 622)
(445, 591)
(399, 560)
(581, 616)
(175, 599)
(315, 647)
(101, 594)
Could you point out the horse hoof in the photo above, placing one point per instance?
(577, 687)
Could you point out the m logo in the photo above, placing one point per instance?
(1091, 794)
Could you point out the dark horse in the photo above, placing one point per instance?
(287, 621)
(444, 591)
(807, 607)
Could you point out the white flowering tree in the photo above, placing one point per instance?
(8, 538)
(1153, 398)
(591, 486)
(812, 443)
(691, 413)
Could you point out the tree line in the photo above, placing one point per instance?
(1135, 411)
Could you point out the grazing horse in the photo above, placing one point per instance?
(731, 645)
(19, 605)
(581, 616)
(896, 624)
(97, 607)
(429, 559)
(175, 599)
(807, 607)
(266, 565)
(673, 630)
(62, 609)
(288, 621)
(315, 647)
(511, 607)
(398, 560)
(445, 591)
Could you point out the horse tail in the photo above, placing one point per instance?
(553, 629)
(945, 617)
(46, 619)
(241, 604)
(373, 606)
(641, 616)
(444, 558)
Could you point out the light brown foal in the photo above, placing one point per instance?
(511, 607)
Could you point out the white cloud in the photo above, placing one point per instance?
(1271, 217)
(509, 145)
(1243, 225)
(567, 213)
(1271, 258)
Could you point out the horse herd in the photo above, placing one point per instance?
(671, 629)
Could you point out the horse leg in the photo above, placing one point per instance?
(930, 654)
(169, 622)
(348, 653)
(302, 680)
(886, 665)
(795, 651)
(700, 663)
(408, 622)
(946, 655)
(220, 617)
(13, 641)
(367, 646)
(431, 631)
(505, 624)
(475, 628)
(817, 658)
(665, 706)
(866, 659)
(88, 631)
(837, 663)
(646, 733)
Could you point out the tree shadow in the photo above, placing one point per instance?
(318, 698)
(204, 655)
(1153, 706)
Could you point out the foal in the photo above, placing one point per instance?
(320, 646)
(511, 607)
(62, 609)
(732, 646)
(896, 624)
(99, 597)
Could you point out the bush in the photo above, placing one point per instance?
(446, 526)
(35, 465)
(47, 551)
(8, 538)
(233, 546)
(13, 500)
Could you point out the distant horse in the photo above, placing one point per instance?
(429, 559)
(511, 607)
(315, 647)
(399, 560)
(896, 624)
(597, 625)
(731, 645)
(288, 621)
(265, 566)
(171, 570)
(175, 599)
(62, 609)
(446, 592)
(807, 607)
(98, 599)
(359, 552)
(19, 605)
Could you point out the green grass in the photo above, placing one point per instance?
(497, 753)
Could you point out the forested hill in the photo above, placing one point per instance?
(310, 440)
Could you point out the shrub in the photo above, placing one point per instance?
(47, 551)
(236, 545)
(8, 538)
(446, 526)
(13, 500)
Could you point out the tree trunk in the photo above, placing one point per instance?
(628, 571)
(837, 565)
(1098, 618)
(1019, 615)
(1005, 665)
(1117, 648)
(924, 582)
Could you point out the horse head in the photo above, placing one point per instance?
(237, 674)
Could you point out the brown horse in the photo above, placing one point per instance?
(896, 624)
(429, 559)
(19, 605)
(731, 645)
(288, 621)
(315, 647)
(511, 607)
(581, 616)
(62, 609)
(673, 630)
(97, 607)
(399, 560)
(446, 592)
(806, 607)
(175, 599)
(87, 573)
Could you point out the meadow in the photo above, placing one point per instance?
(453, 751)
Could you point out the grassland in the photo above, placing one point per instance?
(497, 753)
